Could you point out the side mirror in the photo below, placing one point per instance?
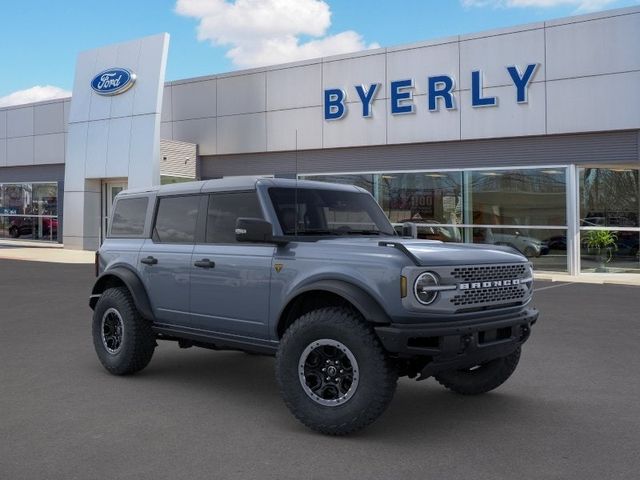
(257, 230)
(254, 230)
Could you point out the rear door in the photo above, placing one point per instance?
(230, 281)
(165, 258)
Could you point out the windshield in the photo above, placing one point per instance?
(328, 212)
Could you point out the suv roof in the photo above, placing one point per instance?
(236, 183)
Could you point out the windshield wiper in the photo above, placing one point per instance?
(363, 232)
(314, 232)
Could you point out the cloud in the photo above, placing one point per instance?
(264, 32)
(581, 5)
(33, 94)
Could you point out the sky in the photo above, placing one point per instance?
(40, 39)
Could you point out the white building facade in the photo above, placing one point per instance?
(527, 136)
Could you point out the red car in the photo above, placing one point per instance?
(21, 226)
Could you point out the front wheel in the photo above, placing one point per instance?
(123, 339)
(333, 373)
(480, 378)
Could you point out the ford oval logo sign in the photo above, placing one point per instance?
(113, 81)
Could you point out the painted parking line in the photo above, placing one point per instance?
(551, 286)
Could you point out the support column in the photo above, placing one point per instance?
(573, 221)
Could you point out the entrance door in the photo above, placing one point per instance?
(109, 192)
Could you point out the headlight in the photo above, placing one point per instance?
(426, 288)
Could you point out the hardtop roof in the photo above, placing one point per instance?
(234, 184)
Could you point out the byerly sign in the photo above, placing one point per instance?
(440, 91)
(113, 81)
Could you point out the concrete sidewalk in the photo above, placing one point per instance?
(53, 253)
(593, 278)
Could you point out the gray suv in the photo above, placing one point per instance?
(314, 274)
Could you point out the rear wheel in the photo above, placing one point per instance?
(123, 339)
(333, 374)
(480, 378)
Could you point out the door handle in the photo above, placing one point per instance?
(204, 263)
(149, 260)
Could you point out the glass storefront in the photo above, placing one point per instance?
(29, 211)
(525, 208)
(609, 219)
(522, 208)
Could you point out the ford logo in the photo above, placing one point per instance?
(113, 81)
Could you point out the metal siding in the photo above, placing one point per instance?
(33, 173)
(172, 159)
(608, 147)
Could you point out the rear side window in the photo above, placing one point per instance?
(224, 209)
(128, 217)
(176, 219)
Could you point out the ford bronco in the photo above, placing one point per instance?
(314, 274)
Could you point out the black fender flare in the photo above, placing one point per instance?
(133, 283)
(370, 309)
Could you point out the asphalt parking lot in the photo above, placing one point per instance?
(571, 410)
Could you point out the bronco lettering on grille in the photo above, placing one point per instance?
(489, 284)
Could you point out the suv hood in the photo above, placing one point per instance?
(435, 253)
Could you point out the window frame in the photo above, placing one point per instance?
(199, 220)
(146, 214)
(202, 240)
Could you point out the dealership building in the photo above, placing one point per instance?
(526, 136)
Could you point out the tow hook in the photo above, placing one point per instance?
(466, 341)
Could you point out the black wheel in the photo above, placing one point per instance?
(123, 339)
(333, 373)
(480, 378)
(14, 232)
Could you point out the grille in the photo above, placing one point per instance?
(490, 295)
(488, 272)
(483, 296)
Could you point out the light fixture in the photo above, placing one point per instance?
(552, 172)
(492, 174)
(434, 175)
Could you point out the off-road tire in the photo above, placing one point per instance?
(483, 379)
(377, 376)
(138, 341)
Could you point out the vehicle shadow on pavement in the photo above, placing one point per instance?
(427, 409)
(238, 383)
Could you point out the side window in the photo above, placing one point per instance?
(224, 209)
(128, 217)
(176, 219)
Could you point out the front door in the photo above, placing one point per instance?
(230, 282)
(109, 192)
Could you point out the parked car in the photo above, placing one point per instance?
(428, 230)
(528, 246)
(21, 226)
(314, 274)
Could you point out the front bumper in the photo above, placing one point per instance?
(452, 345)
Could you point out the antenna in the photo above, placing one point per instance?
(295, 195)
